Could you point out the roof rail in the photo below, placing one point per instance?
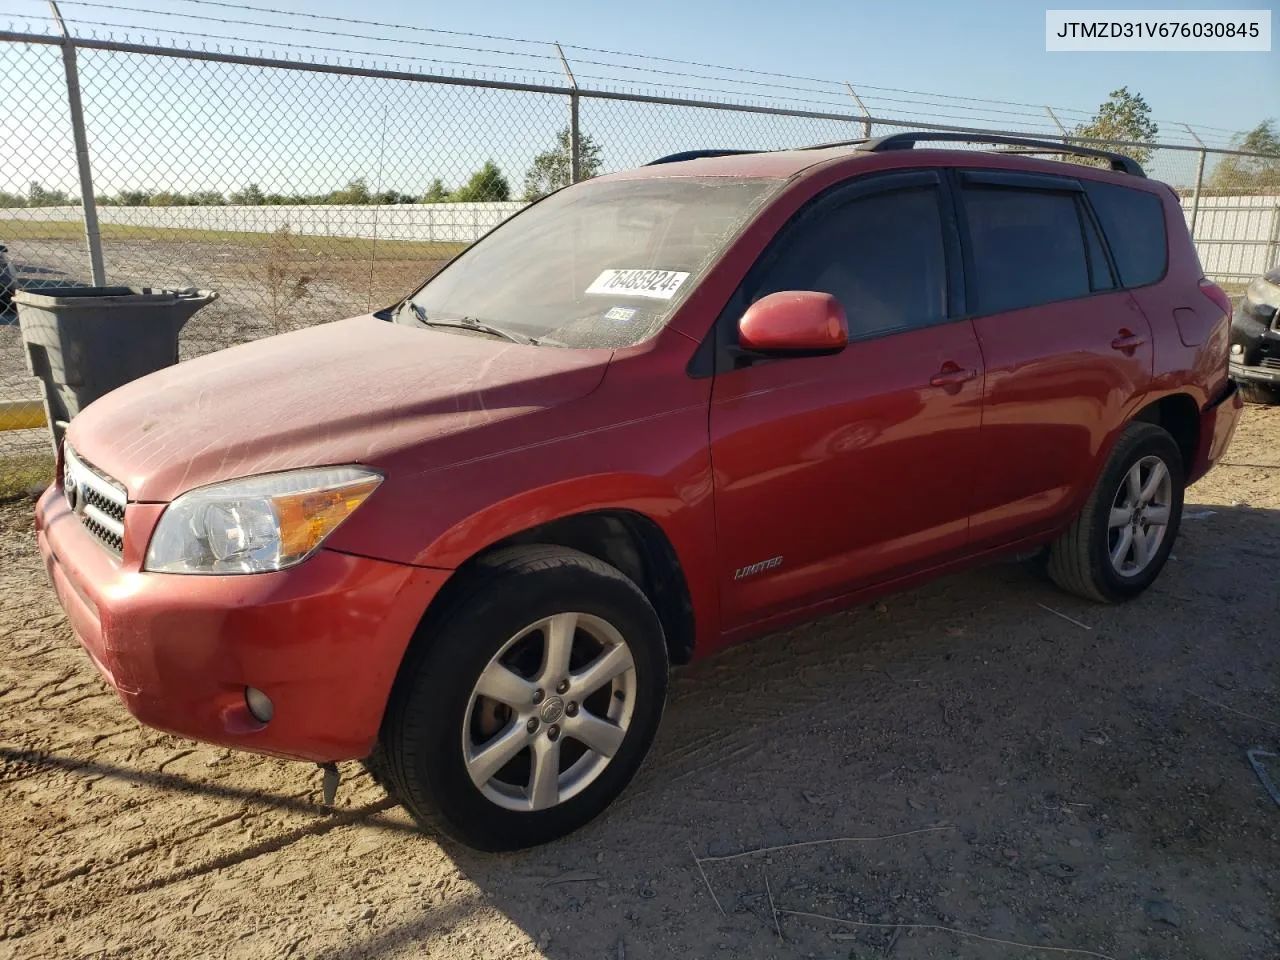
(906, 141)
(696, 155)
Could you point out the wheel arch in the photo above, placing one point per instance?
(636, 545)
(662, 549)
(1178, 414)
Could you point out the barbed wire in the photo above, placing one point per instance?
(978, 107)
(297, 29)
(376, 55)
(834, 88)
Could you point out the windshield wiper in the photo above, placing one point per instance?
(467, 323)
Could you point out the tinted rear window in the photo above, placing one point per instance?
(1027, 247)
(1133, 221)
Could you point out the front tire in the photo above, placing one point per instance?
(527, 706)
(1122, 538)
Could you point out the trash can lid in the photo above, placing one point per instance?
(63, 298)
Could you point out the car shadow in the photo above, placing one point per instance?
(984, 753)
(1063, 747)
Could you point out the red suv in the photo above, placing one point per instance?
(652, 414)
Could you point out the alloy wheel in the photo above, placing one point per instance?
(1139, 517)
(549, 711)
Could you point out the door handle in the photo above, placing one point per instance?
(1127, 341)
(951, 376)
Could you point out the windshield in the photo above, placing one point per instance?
(602, 264)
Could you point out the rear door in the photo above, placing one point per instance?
(839, 471)
(1067, 352)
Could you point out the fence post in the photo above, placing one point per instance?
(1195, 195)
(575, 142)
(1061, 129)
(1273, 238)
(866, 124)
(89, 203)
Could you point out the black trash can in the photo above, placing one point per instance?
(83, 342)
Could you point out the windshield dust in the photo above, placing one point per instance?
(600, 264)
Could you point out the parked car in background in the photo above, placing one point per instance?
(654, 413)
(1255, 340)
(7, 281)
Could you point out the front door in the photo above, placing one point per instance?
(837, 472)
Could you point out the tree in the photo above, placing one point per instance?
(486, 184)
(1251, 175)
(250, 196)
(132, 198)
(208, 198)
(355, 192)
(552, 170)
(38, 196)
(1124, 116)
(12, 199)
(436, 193)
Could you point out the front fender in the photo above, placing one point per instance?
(684, 514)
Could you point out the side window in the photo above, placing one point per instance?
(1027, 247)
(1133, 221)
(880, 255)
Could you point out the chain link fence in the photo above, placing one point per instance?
(305, 192)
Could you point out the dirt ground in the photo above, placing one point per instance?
(1030, 768)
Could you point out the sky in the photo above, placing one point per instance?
(186, 126)
(985, 50)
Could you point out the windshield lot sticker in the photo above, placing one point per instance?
(654, 284)
(620, 314)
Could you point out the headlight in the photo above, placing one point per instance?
(1263, 293)
(256, 524)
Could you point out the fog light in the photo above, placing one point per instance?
(1237, 349)
(259, 704)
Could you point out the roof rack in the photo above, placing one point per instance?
(698, 154)
(906, 141)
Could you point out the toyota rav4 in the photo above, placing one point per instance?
(650, 415)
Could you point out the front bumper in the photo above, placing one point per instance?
(323, 640)
(1247, 374)
(1258, 342)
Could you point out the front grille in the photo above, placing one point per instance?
(1272, 362)
(96, 499)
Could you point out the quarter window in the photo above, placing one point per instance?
(1133, 221)
(881, 256)
(1027, 247)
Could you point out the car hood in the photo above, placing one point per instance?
(354, 391)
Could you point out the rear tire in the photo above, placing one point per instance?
(1259, 393)
(525, 707)
(1122, 538)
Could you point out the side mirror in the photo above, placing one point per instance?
(794, 323)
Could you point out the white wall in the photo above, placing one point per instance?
(1237, 238)
(448, 222)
